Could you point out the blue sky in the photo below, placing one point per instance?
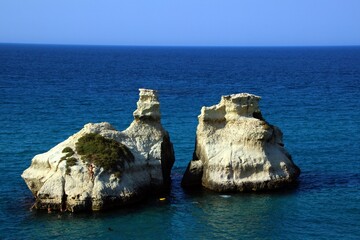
(181, 22)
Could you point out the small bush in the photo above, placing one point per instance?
(102, 152)
(70, 161)
(68, 150)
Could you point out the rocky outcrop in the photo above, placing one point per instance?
(65, 178)
(237, 150)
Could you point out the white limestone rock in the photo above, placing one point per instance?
(78, 190)
(148, 106)
(237, 150)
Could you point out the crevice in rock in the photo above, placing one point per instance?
(167, 159)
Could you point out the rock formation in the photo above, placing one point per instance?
(237, 150)
(75, 177)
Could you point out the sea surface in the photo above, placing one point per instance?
(49, 92)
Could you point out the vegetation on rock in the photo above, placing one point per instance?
(68, 150)
(102, 152)
(70, 161)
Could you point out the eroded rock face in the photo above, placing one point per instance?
(86, 187)
(237, 150)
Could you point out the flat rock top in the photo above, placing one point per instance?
(231, 108)
(148, 106)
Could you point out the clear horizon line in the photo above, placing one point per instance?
(173, 45)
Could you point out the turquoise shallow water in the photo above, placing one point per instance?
(313, 94)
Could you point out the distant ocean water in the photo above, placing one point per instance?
(49, 92)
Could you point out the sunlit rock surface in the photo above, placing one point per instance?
(85, 187)
(237, 150)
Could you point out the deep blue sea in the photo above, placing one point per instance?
(49, 92)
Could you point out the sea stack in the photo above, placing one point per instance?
(236, 150)
(100, 168)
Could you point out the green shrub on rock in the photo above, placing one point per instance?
(70, 161)
(68, 150)
(102, 152)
